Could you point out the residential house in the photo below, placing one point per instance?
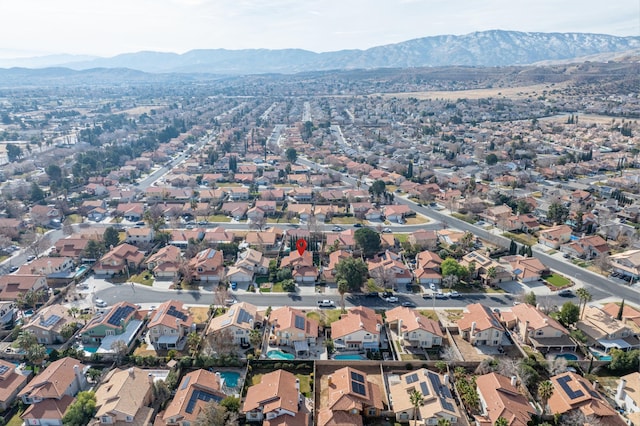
(124, 397)
(71, 247)
(121, 323)
(572, 392)
(427, 269)
(45, 215)
(235, 210)
(169, 323)
(218, 235)
(540, 331)
(555, 236)
(497, 215)
(207, 266)
(12, 380)
(276, 400)
(426, 239)
(352, 396)
(51, 392)
(630, 315)
(121, 259)
(236, 324)
(521, 222)
(397, 212)
(604, 332)
(132, 212)
(237, 193)
(301, 195)
(499, 397)
(303, 211)
(139, 235)
(13, 286)
(329, 271)
(525, 269)
(196, 389)
(47, 266)
(165, 263)
(301, 265)
(291, 327)
(267, 206)
(263, 241)
(488, 270)
(250, 262)
(587, 247)
(479, 326)
(626, 263)
(181, 237)
(344, 240)
(449, 237)
(628, 396)
(414, 329)
(389, 269)
(358, 329)
(438, 401)
(51, 324)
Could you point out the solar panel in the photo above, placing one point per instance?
(357, 377)
(564, 384)
(299, 322)
(424, 388)
(185, 382)
(199, 395)
(52, 320)
(358, 388)
(443, 392)
(3, 369)
(176, 313)
(244, 316)
(411, 378)
(121, 313)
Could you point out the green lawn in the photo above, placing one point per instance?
(401, 237)
(74, 218)
(219, 218)
(344, 220)
(332, 315)
(463, 217)
(144, 278)
(262, 280)
(277, 288)
(429, 313)
(15, 420)
(556, 280)
(416, 220)
(372, 286)
(521, 238)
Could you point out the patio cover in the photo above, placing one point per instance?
(167, 340)
(301, 346)
(371, 345)
(617, 343)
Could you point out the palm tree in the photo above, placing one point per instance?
(585, 297)
(343, 287)
(193, 341)
(501, 421)
(444, 422)
(416, 398)
(545, 390)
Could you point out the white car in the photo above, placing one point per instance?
(101, 303)
(432, 286)
(391, 299)
(453, 294)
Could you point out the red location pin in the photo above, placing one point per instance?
(301, 245)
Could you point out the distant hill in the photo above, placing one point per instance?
(486, 48)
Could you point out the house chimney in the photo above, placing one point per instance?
(514, 381)
(298, 385)
(131, 372)
(473, 330)
(595, 385)
(378, 327)
(79, 376)
(620, 390)
(150, 377)
(361, 325)
(329, 381)
(525, 331)
(399, 327)
(446, 380)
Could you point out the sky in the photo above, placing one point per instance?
(111, 27)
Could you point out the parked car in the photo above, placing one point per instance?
(427, 295)
(326, 303)
(337, 229)
(391, 299)
(30, 258)
(565, 293)
(230, 301)
(386, 230)
(357, 225)
(454, 294)
(13, 268)
(234, 285)
(386, 294)
(101, 303)
(441, 295)
(408, 304)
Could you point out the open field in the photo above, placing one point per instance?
(142, 109)
(498, 92)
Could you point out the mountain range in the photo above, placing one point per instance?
(494, 48)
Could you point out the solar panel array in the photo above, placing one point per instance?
(200, 395)
(299, 322)
(411, 378)
(121, 313)
(176, 313)
(424, 388)
(3, 369)
(244, 316)
(443, 392)
(185, 382)
(51, 320)
(357, 384)
(564, 384)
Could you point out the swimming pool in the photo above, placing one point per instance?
(278, 354)
(231, 378)
(90, 349)
(354, 357)
(568, 357)
(600, 356)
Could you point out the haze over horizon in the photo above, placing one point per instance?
(41, 27)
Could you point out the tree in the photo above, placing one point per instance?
(111, 237)
(36, 243)
(231, 403)
(624, 361)
(569, 314)
(450, 266)
(585, 297)
(513, 248)
(377, 188)
(491, 159)
(416, 398)
(37, 194)
(557, 213)
(444, 422)
(501, 421)
(54, 172)
(193, 342)
(14, 152)
(154, 216)
(94, 374)
(255, 338)
(81, 410)
(368, 240)
(291, 154)
(120, 349)
(620, 311)
(161, 392)
(353, 271)
(258, 223)
(545, 390)
(530, 299)
(93, 250)
(343, 287)
(214, 414)
(34, 352)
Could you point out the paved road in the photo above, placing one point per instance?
(145, 295)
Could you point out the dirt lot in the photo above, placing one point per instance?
(507, 92)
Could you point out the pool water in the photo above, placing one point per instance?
(90, 349)
(277, 354)
(231, 378)
(349, 357)
(568, 357)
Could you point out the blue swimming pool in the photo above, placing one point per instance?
(231, 378)
(90, 349)
(354, 357)
(277, 354)
(568, 357)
